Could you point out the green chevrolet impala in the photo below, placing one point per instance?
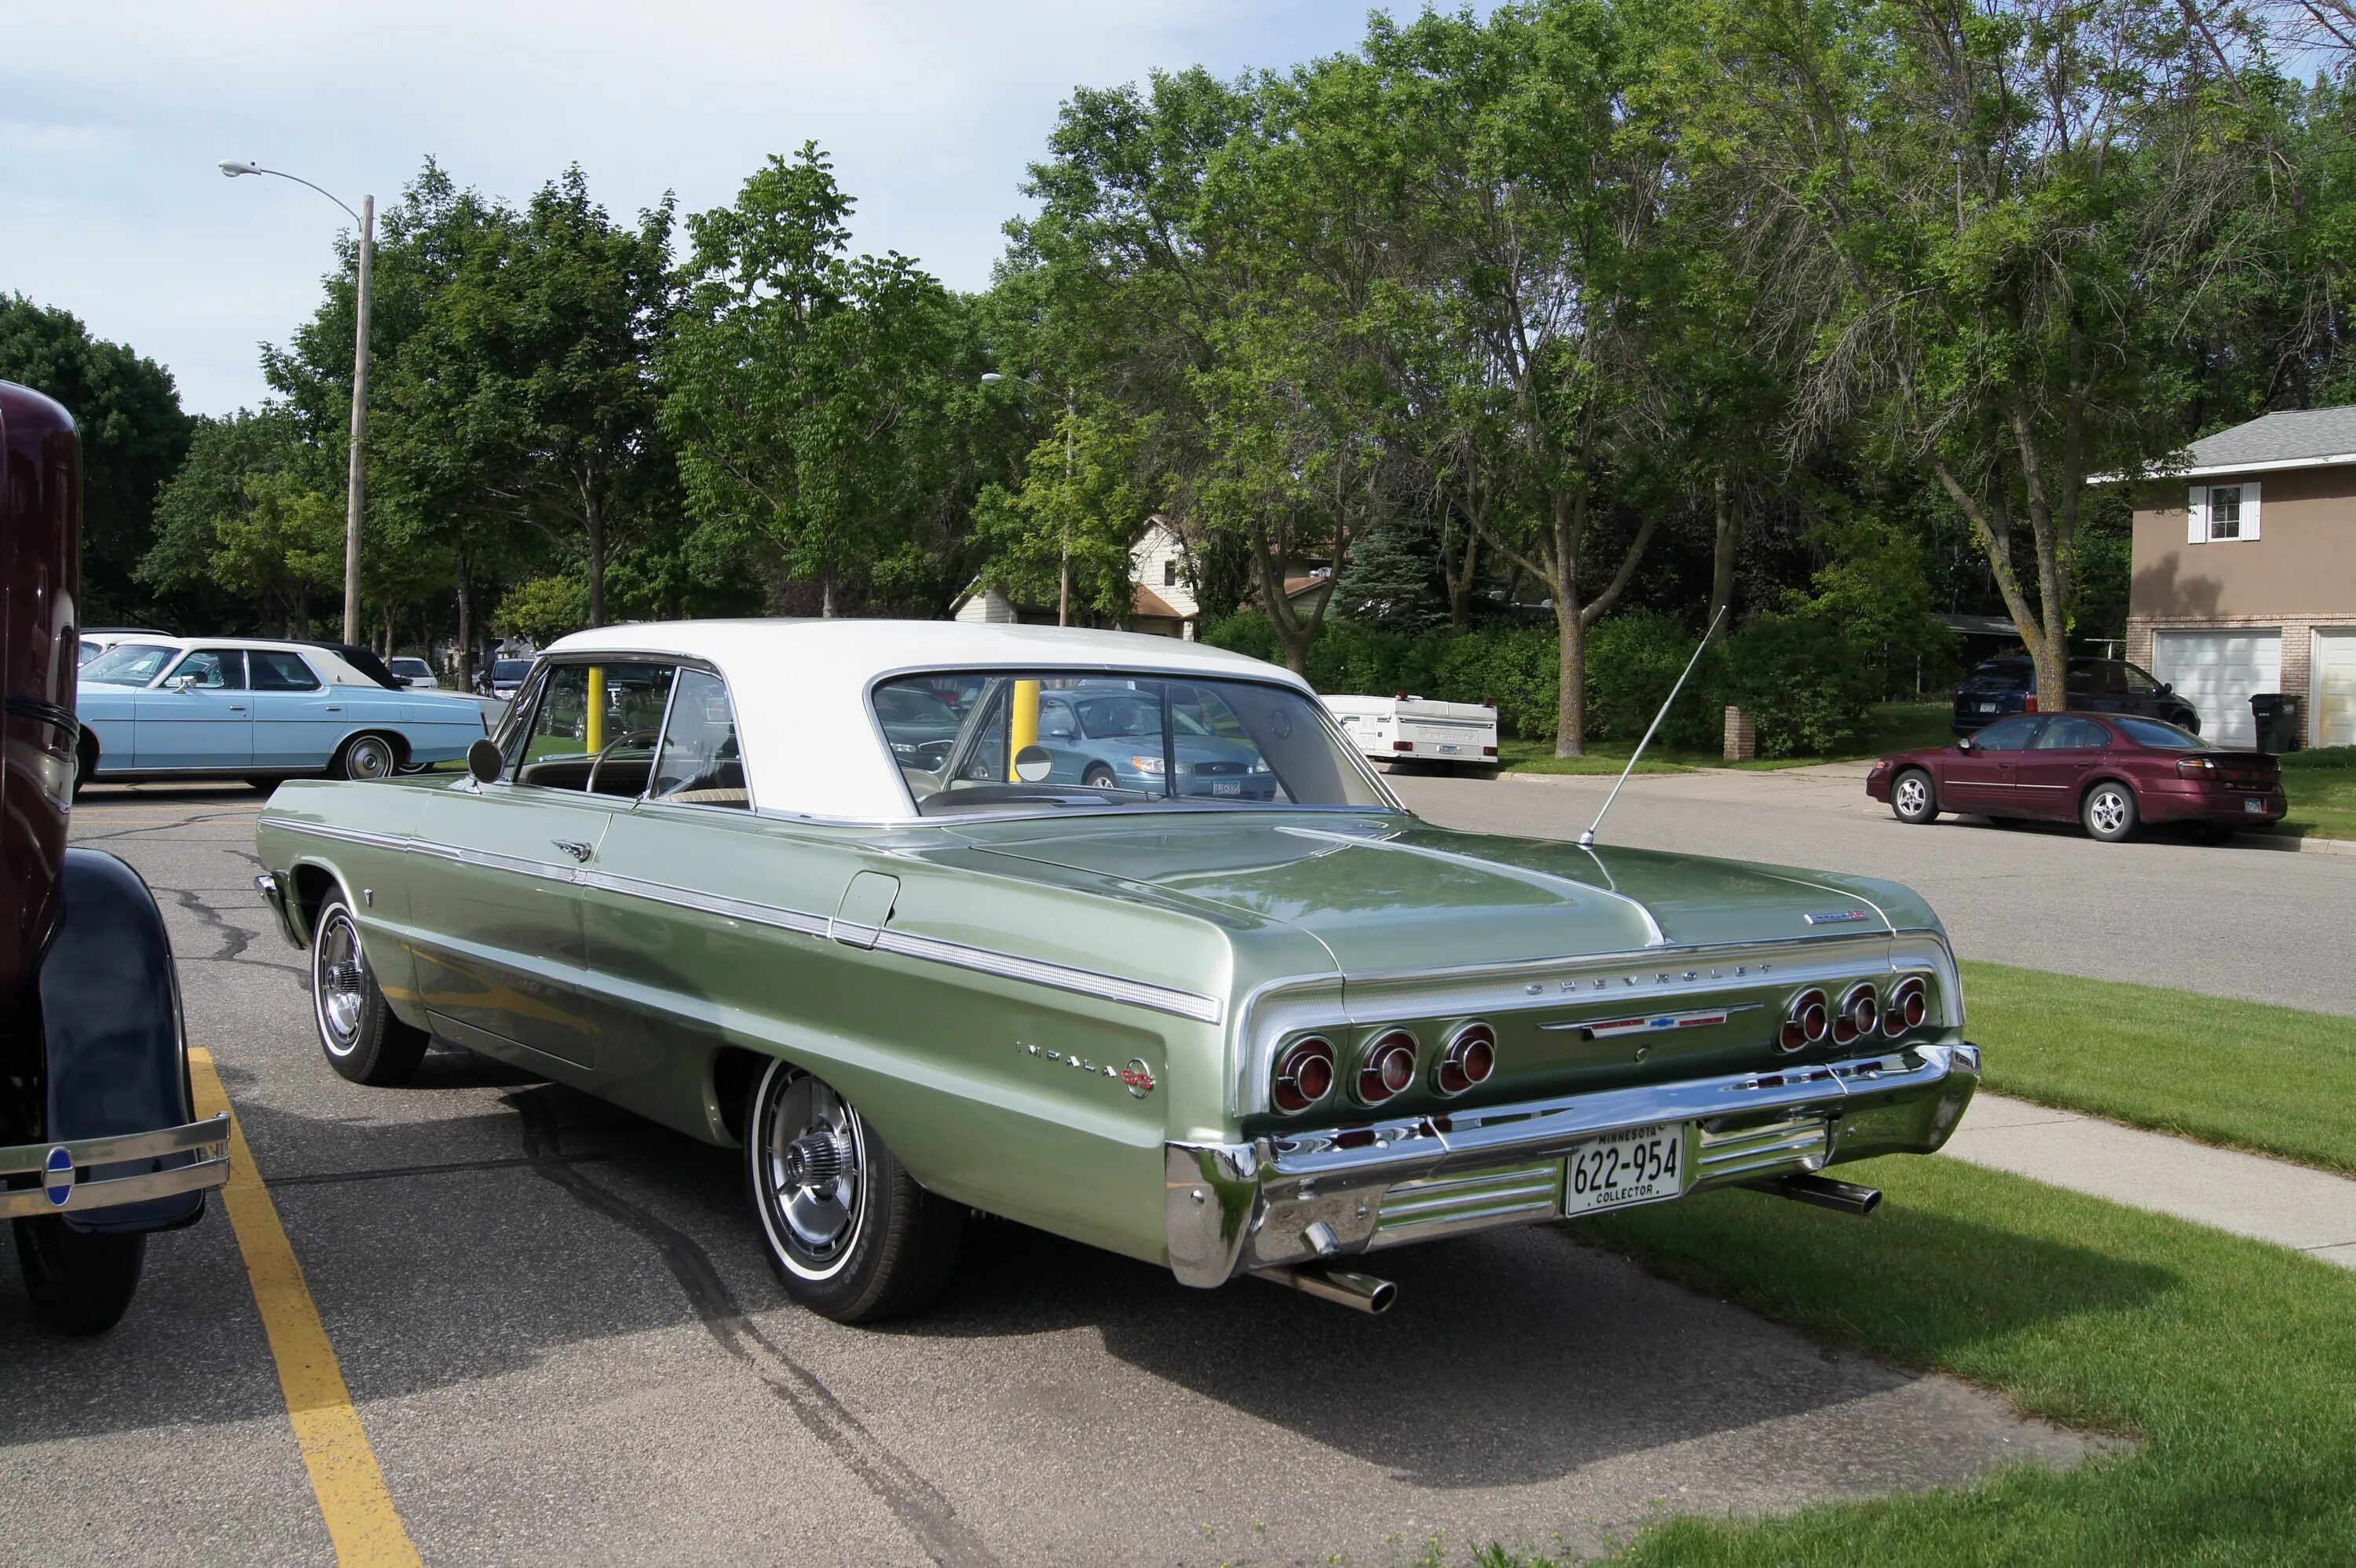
(824, 891)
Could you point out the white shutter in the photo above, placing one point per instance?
(2196, 525)
(2250, 509)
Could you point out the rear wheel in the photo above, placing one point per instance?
(1914, 798)
(365, 757)
(85, 763)
(2108, 812)
(850, 1233)
(80, 1284)
(364, 1041)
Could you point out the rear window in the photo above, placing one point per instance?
(1057, 740)
(2162, 736)
(510, 669)
(1999, 675)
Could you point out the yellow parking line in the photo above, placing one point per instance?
(361, 1520)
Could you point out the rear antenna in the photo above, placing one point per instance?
(1588, 837)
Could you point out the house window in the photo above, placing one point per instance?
(1169, 572)
(2225, 511)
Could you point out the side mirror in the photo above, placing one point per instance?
(1033, 763)
(484, 761)
(2165, 690)
(181, 682)
(1964, 744)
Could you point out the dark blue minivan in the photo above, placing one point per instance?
(2007, 684)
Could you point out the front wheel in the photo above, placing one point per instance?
(364, 1041)
(1914, 798)
(851, 1234)
(80, 1284)
(2109, 812)
(365, 757)
(1099, 776)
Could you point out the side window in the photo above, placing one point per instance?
(276, 669)
(2068, 733)
(595, 727)
(211, 669)
(2008, 735)
(699, 762)
(2138, 682)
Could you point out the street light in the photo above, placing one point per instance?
(366, 217)
(1071, 416)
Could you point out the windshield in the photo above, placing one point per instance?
(510, 669)
(127, 664)
(1060, 739)
(2162, 736)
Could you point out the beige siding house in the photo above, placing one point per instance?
(2245, 575)
(1161, 597)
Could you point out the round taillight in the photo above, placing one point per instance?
(1910, 1004)
(1806, 1021)
(1387, 1068)
(1304, 1074)
(1470, 1057)
(1860, 1014)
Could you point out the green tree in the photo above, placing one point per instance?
(257, 512)
(133, 438)
(1076, 507)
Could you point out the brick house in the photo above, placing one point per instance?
(2245, 575)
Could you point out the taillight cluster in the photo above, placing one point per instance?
(1812, 1017)
(1385, 1067)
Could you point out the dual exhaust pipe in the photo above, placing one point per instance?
(1374, 1297)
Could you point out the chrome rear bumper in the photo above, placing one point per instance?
(1231, 1209)
(72, 1180)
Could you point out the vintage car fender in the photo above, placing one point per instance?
(116, 1056)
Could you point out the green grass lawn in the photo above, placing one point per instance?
(2275, 1080)
(2228, 1362)
(2321, 787)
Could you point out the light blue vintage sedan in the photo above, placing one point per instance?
(155, 708)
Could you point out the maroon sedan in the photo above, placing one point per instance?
(2108, 771)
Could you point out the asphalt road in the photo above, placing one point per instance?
(2233, 920)
(565, 1347)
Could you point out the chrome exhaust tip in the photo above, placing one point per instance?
(1824, 1192)
(1359, 1292)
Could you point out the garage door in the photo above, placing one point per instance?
(2335, 688)
(2216, 672)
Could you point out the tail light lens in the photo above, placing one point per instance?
(2195, 768)
(1470, 1057)
(2032, 704)
(1304, 1074)
(1910, 1004)
(1387, 1069)
(1860, 1015)
(1806, 1021)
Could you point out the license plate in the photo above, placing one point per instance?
(2253, 805)
(1988, 706)
(1227, 786)
(1446, 747)
(1642, 1165)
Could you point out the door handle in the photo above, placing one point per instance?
(577, 850)
(333, 708)
(237, 708)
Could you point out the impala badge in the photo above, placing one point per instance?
(1838, 917)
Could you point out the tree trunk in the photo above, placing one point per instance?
(1570, 711)
(1722, 559)
(597, 564)
(466, 594)
(1459, 583)
(826, 594)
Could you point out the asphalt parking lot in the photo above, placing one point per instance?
(564, 1346)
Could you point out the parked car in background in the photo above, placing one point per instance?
(2009, 685)
(94, 641)
(414, 672)
(2112, 773)
(506, 675)
(99, 1144)
(258, 711)
(1419, 729)
(1235, 1035)
(364, 663)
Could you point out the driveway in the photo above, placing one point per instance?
(2233, 920)
(564, 1346)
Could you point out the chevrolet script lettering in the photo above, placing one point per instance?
(1836, 917)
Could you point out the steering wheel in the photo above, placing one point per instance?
(626, 738)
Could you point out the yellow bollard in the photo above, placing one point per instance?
(1023, 726)
(594, 730)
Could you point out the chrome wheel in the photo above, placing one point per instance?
(1913, 797)
(811, 1172)
(339, 982)
(369, 757)
(2110, 811)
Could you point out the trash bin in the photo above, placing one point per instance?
(2278, 716)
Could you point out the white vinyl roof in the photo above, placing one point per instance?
(330, 666)
(811, 743)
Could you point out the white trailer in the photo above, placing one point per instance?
(1417, 729)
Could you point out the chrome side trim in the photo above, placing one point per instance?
(343, 835)
(775, 917)
(1060, 977)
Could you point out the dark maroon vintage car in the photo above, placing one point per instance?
(99, 1143)
(2109, 771)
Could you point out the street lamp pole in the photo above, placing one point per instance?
(356, 482)
(1071, 422)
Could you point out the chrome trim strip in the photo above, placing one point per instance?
(775, 917)
(29, 1159)
(1062, 977)
(114, 1191)
(342, 835)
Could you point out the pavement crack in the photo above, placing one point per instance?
(914, 1501)
(234, 939)
(174, 827)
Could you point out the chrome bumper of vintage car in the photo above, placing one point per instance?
(69, 1173)
(271, 886)
(1232, 1209)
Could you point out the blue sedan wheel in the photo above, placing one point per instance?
(365, 757)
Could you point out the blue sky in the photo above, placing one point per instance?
(114, 115)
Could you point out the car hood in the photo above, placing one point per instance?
(1392, 894)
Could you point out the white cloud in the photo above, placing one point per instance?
(115, 115)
